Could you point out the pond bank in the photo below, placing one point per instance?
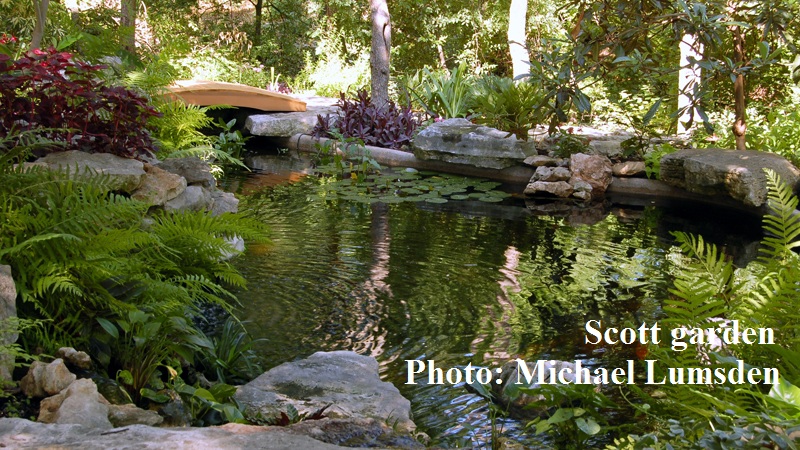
(622, 190)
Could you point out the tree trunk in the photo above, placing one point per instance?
(688, 80)
(381, 46)
(739, 124)
(259, 13)
(127, 23)
(41, 19)
(517, 37)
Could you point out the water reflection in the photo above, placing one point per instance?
(453, 284)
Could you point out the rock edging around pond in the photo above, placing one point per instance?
(362, 411)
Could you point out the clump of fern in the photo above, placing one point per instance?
(766, 293)
(83, 257)
(178, 131)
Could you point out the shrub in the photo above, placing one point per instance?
(63, 98)
(390, 126)
(515, 107)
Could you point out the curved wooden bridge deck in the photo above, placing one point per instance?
(207, 93)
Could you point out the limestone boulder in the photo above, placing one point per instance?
(223, 202)
(596, 170)
(159, 186)
(125, 174)
(629, 169)
(45, 379)
(80, 403)
(8, 311)
(193, 198)
(558, 188)
(733, 173)
(459, 141)
(128, 414)
(289, 124)
(193, 169)
(543, 160)
(72, 357)
(346, 381)
(544, 173)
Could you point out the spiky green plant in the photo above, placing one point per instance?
(708, 288)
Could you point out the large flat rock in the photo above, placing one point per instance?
(289, 124)
(346, 381)
(460, 141)
(732, 173)
(124, 174)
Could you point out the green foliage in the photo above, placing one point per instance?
(764, 294)
(652, 159)
(577, 413)
(443, 94)
(503, 104)
(569, 143)
(229, 357)
(99, 274)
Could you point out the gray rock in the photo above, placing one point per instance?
(159, 186)
(733, 173)
(125, 174)
(21, 433)
(544, 173)
(193, 169)
(223, 202)
(124, 415)
(45, 379)
(72, 357)
(593, 169)
(237, 247)
(80, 403)
(8, 314)
(542, 160)
(194, 198)
(582, 190)
(461, 142)
(288, 124)
(346, 381)
(629, 169)
(557, 188)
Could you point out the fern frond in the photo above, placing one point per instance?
(782, 225)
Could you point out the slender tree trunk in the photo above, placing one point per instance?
(41, 19)
(442, 59)
(259, 14)
(517, 37)
(127, 21)
(381, 46)
(688, 80)
(739, 124)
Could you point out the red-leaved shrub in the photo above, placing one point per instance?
(63, 100)
(390, 126)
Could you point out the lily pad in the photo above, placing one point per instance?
(436, 200)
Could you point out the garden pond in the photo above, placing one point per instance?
(466, 281)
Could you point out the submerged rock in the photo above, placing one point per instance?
(346, 382)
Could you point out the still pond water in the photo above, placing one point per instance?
(458, 283)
